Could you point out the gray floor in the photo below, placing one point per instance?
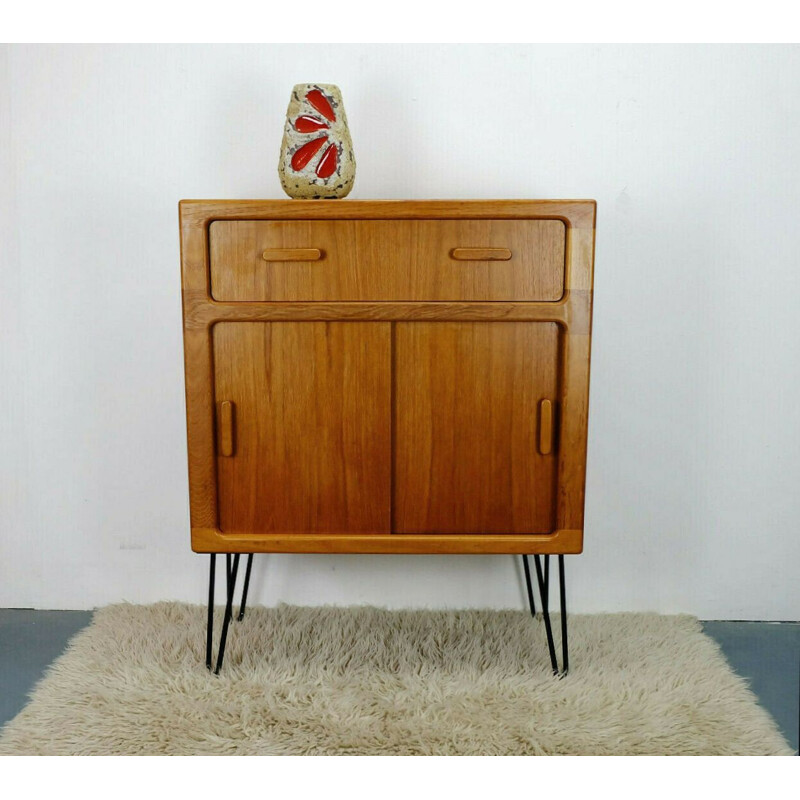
(768, 654)
(29, 642)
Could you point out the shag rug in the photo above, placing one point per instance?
(367, 681)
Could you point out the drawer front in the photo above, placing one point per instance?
(384, 260)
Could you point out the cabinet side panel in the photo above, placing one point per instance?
(311, 449)
(199, 375)
(467, 397)
(576, 357)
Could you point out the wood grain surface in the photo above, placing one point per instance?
(312, 404)
(575, 213)
(348, 466)
(466, 421)
(388, 260)
(211, 540)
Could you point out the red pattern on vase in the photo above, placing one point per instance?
(305, 123)
(327, 164)
(321, 104)
(316, 159)
(305, 153)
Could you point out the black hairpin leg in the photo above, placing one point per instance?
(528, 585)
(231, 570)
(543, 580)
(246, 587)
(210, 623)
(562, 591)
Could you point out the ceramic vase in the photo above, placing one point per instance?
(317, 159)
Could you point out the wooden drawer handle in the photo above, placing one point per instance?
(480, 254)
(292, 254)
(226, 428)
(545, 427)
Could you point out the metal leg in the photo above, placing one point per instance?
(231, 573)
(544, 594)
(231, 570)
(562, 588)
(210, 623)
(246, 587)
(528, 586)
(543, 580)
(547, 575)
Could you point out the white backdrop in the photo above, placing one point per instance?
(692, 153)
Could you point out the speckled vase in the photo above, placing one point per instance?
(317, 159)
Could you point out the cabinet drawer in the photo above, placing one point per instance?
(375, 260)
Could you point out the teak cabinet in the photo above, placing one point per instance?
(387, 376)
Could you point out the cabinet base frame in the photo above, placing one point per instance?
(560, 541)
(542, 580)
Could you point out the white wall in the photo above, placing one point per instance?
(693, 502)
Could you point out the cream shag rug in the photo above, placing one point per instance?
(344, 681)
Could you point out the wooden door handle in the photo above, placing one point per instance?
(480, 254)
(545, 427)
(292, 254)
(226, 428)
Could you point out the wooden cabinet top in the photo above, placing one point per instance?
(576, 213)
